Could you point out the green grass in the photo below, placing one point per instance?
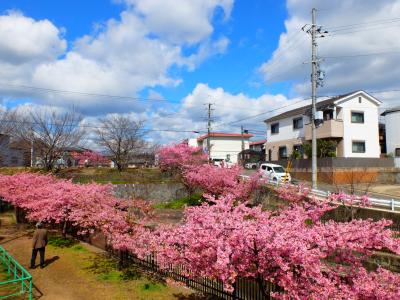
(108, 175)
(101, 175)
(61, 242)
(194, 200)
(16, 170)
(151, 287)
(79, 248)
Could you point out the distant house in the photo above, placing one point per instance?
(12, 154)
(350, 120)
(224, 146)
(392, 134)
(258, 145)
(254, 154)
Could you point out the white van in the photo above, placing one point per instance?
(275, 173)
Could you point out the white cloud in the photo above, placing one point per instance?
(180, 21)
(373, 72)
(228, 108)
(123, 57)
(24, 40)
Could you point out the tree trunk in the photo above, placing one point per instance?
(64, 230)
(261, 286)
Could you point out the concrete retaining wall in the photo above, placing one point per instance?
(155, 192)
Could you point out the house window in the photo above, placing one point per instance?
(358, 147)
(282, 152)
(275, 128)
(328, 115)
(357, 117)
(14, 160)
(359, 99)
(397, 152)
(298, 151)
(297, 123)
(228, 158)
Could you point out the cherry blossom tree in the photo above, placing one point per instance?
(220, 181)
(308, 259)
(88, 157)
(86, 207)
(174, 158)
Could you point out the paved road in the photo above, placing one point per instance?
(375, 190)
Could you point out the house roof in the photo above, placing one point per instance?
(258, 142)
(221, 134)
(320, 105)
(391, 110)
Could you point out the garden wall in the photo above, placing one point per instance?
(341, 170)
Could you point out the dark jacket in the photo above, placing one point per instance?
(39, 239)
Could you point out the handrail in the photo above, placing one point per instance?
(19, 273)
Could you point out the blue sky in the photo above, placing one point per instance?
(253, 30)
(246, 57)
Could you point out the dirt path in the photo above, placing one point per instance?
(67, 275)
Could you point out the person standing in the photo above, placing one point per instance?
(39, 242)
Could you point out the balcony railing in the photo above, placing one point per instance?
(328, 129)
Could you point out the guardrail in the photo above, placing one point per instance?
(389, 204)
(20, 280)
(386, 204)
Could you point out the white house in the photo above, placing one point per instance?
(12, 154)
(392, 122)
(224, 146)
(352, 120)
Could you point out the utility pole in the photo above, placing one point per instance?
(209, 121)
(314, 98)
(242, 132)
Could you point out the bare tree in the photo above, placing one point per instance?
(51, 133)
(7, 121)
(121, 137)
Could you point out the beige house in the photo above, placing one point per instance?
(351, 120)
(224, 146)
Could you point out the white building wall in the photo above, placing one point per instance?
(193, 142)
(392, 121)
(286, 131)
(367, 131)
(221, 147)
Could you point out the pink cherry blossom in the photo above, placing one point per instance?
(175, 158)
(90, 158)
(309, 259)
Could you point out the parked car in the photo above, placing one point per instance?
(275, 173)
(251, 165)
(219, 162)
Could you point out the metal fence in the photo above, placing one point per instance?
(244, 289)
(19, 280)
(386, 204)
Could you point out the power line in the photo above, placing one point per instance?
(260, 114)
(99, 127)
(361, 54)
(48, 90)
(377, 22)
(360, 30)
